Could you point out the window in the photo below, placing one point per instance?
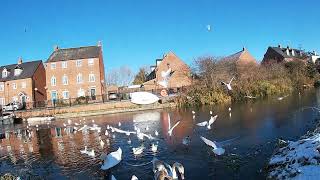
(2, 87)
(53, 81)
(2, 101)
(79, 78)
(90, 62)
(23, 85)
(17, 72)
(54, 95)
(78, 63)
(53, 65)
(14, 85)
(64, 64)
(65, 80)
(4, 73)
(92, 78)
(65, 94)
(81, 93)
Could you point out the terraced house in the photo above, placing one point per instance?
(75, 72)
(23, 82)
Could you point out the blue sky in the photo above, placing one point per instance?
(136, 32)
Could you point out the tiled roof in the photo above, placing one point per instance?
(242, 56)
(75, 53)
(292, 52)
(28, 69)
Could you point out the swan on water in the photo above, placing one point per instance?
(208, 123)
(228, 84)
(162, 169)
(111, 159)
(217, 150)
(138, 150)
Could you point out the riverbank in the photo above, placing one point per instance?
(297, 159)
(92, 109)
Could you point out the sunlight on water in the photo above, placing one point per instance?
(52, 151)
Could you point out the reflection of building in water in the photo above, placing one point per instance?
(44, 142)
(184, 128)
(318, 96)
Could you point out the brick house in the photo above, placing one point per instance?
(242, 57)
(75, 72)
(181, 73)
(280, 54)
(23, 82)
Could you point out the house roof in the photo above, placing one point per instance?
(292, 52)
(241, 56)
(75, 53)
(28, 70)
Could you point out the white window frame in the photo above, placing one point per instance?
(79, 63)
(53, 65)
(14, 85)
(64, 64)
(2, 101)
(54, 91)
(90, 62)
(64, 93)
(65, 80)
(4, 73)
(92, 77)
(53, 81)
(23, 85)
(1, 86)
(79, 80)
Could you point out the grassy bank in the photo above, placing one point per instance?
(250, 80)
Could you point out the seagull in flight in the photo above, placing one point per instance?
(217, 150)
(208, 123)
(228, 84)
(171, 128)
(209, 27)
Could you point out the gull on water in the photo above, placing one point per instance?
(154, 148)
(217, 150)
(208, 123)
(138, 150)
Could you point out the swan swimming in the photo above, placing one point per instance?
(208, 123)
(217, 150)
(162, 169)
(111, 159)
(228, 84)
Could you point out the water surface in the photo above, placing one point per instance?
(248, 132)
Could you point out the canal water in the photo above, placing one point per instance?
(248, 132)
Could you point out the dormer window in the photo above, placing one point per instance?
(17, 71)
(4, 73)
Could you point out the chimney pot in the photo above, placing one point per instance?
(279, 45)
(20, 60)
(55, 47)
(99, 43)
(244, 48)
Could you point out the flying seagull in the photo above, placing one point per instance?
(228, 84)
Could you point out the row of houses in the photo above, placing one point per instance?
(79, 72)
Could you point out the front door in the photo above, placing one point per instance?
(93, 93)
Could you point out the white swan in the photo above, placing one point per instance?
(228, 84)
(111, 159)
(154, 148)
(138, 150)
(217, 150)
(162, 169)
(208, 123)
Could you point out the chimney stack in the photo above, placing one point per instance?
(55, 47)
(20, 60)
(244, 48)
(99, 43)
(279, 45)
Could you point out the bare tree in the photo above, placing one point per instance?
(122, 76)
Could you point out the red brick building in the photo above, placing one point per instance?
(23, 82)
(180, 76)
(75, 72)
(280, 55)
(242, 57)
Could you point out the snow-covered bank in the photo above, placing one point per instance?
(297, 160)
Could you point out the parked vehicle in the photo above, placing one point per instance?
(12, 107)
(113, 96)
